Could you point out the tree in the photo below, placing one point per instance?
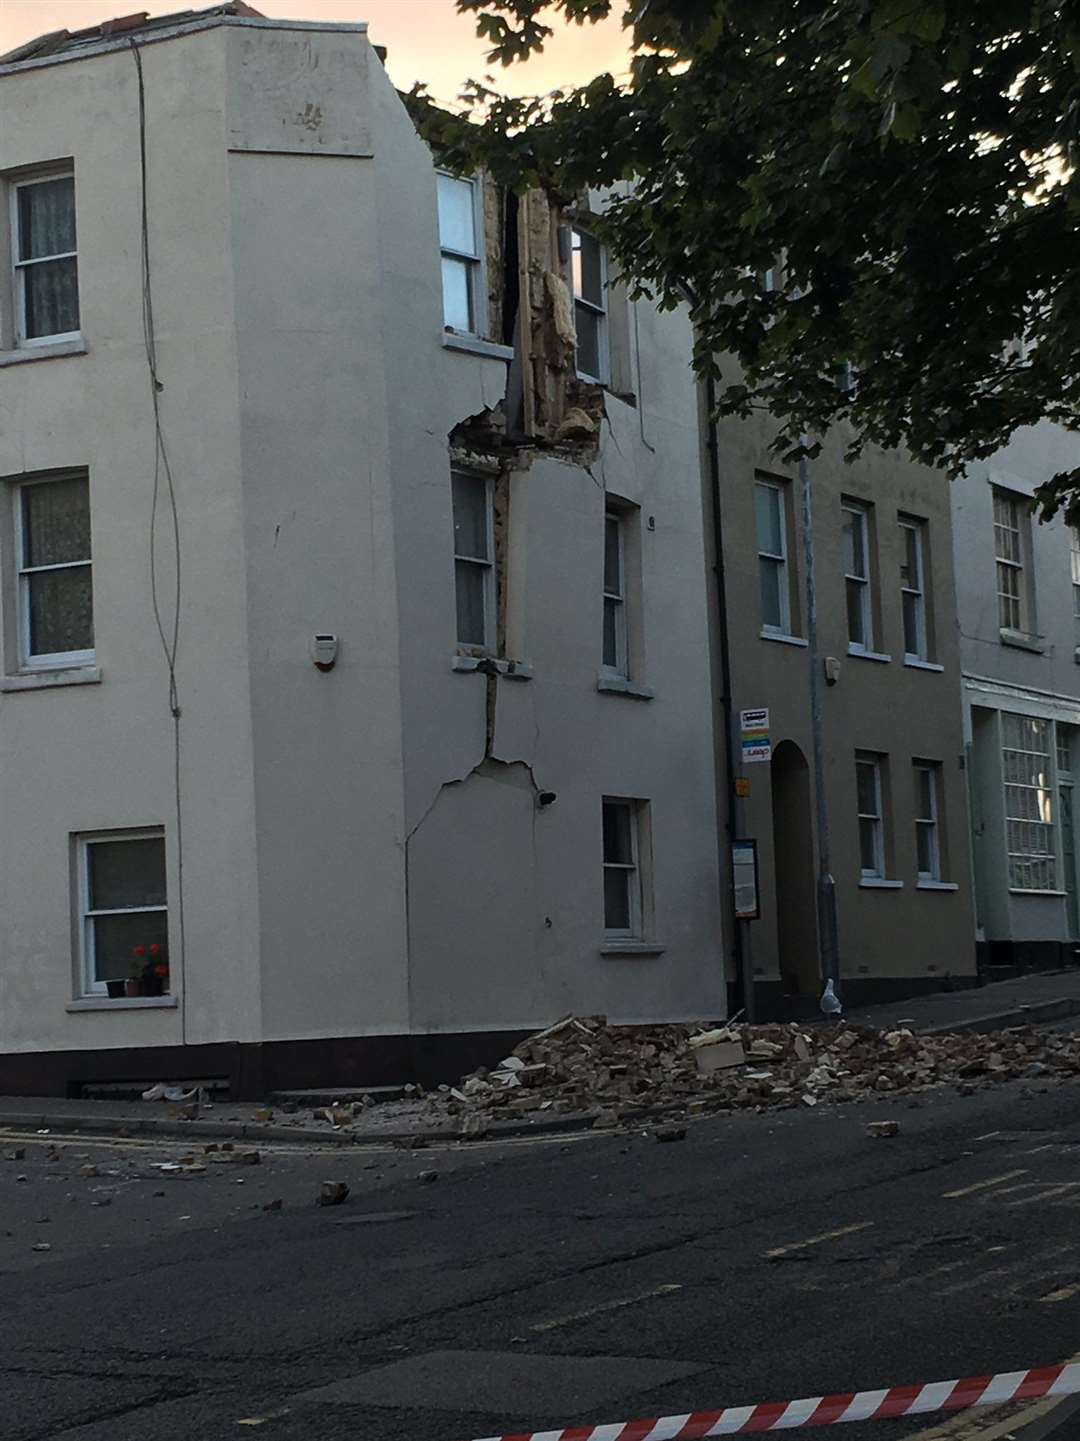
(908, 164)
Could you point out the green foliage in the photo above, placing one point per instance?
(894, 153)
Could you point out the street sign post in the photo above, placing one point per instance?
(754, 732)
(744, 877)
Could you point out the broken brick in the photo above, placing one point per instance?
(332, 1193)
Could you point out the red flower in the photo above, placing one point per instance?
(155, 949)
(139, 951)
(161, 970)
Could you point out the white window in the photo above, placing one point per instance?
(871, 817)
(474, 550)
(913, 587)
(622, 875)
(772, 557)
(615, 660)
(123, 909)
(1074, 546)
(44, 252)
(55, 587)
(1029, 802)
(927, 844)
(589, 267)
(459, 232)
(1064, 749)
(856, 537)
(1009, 554)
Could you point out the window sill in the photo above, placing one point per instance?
(620, 685)
(489, 665)
(916, 664)
(782, 637)
(123, 1003)
(631, 948)
(879, 883)
(1023, 891)
(860, 654)
(936, 886)
(50, 679)
(1020, 640)
(49, 351)
(473, 345)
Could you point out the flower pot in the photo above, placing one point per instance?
(151, 986)
(116, 989)
(132, 988)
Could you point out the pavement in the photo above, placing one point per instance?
(1038, 999)
(469, 1291)
(1033, 999)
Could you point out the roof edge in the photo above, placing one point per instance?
(125, 39)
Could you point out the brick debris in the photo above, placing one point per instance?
(584, 1065)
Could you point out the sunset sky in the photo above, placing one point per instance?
(427, 39)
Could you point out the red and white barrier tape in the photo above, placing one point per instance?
(1061, 1380)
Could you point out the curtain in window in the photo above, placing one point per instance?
(56, 565)
(47, 229)
(61, 611)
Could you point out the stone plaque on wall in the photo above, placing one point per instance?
(298, 92)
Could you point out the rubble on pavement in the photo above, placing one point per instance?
(584, 1066)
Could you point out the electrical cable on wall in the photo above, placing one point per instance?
(640, 391)
(169, 636)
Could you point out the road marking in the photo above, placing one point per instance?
(984, 1185)
(976, 1280)
(262, 1420)
(817, 1240)
(1055, 1190)
(1063, 1293)
(302, 1146)
(615, 1305)
(923, 1277)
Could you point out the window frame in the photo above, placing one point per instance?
(52, 660)
(19, 267)
(603, 342)
(1046, 803)
(88, 985)
(931, 823)
(1063, 746)
(1074, 558)
(1016, 567)
(781, 561)
(632, 868)
(490, 642)
(862, 513)
(621, 667)
(476, 277)
(910, 524)
(877, 817)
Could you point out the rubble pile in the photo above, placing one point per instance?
(581, 1064)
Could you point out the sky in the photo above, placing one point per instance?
(426, 39)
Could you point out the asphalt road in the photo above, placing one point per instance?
(543, 1283)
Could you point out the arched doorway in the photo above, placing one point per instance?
(793, 851)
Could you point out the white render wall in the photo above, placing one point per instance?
(1033, 456)
(100, 756)
(347, 869)
(1000, 677)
